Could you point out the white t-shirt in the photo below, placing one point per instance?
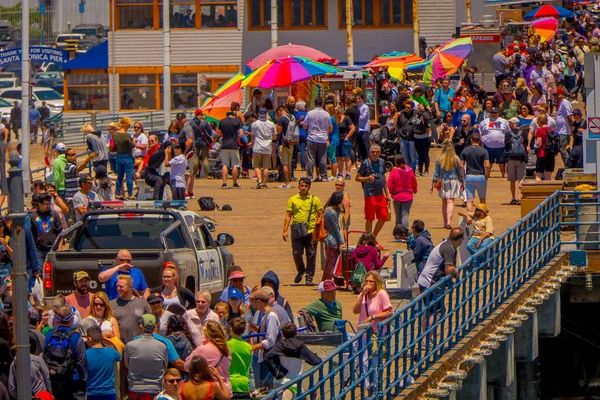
(565, 110)
(533, 127)
(141, 139)
(493, 132)
(178, 165)
(263, 133)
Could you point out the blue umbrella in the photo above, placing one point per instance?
(548, 10)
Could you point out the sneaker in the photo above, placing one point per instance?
(339, 176)
(418, 174)
(348, 177)
(235, 186)
(258, 185)
(317, 180)
(224, 186)
(513, 202)
(264, 186)
(331, 179)
(298, 278)
(283, 186)
(425, 174)
(190, 195)
(310, 283)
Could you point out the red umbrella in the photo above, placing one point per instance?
(289, 50)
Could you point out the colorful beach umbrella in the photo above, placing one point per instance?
(218, 108)
(289, 50)
(232, 85)
(412, 61)
(283, 72)
(548, 10)
(545, 27)
(447, 59)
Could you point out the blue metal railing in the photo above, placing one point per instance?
(418, 335)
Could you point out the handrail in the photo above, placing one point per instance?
(418, 335)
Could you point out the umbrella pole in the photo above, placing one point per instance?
(349, 37)
(274, 25)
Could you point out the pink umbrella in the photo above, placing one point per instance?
(289, 50)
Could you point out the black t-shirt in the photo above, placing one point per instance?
(577, 137)
(475, 157)
(344, 128)
(575, 159)
(283, 122)
(352, 112)
(230, 128)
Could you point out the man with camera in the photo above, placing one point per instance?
(371, 174)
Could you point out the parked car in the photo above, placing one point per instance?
(5, 107)
(54, 100)
(155, 235)
(47, 79)
(90, 31)
(9, 82)
(61, 39)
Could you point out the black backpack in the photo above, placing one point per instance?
(552, 143)
(59, 357)
(207, 204)
(517, 149)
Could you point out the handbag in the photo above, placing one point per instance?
(438, 185)
(319, 233)
(207, 204)
(300, 229)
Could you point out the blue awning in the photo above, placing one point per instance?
(94, 58)
(495, 3)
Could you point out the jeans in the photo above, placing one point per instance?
(112, 160)
(299, 148)
(472, 249)
(362, 142)
(409, 151)
(41, 258)
(101, 163)
(565, 140)
(570, 82)
(124, 168)
(75, 390)
(299, 247)
(402, 211)
(316, 153)
(157, 182)
(422, 148)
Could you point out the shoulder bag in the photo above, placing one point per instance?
(300, 229)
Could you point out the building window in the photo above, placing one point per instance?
(184, 91)
(87, 92)
(184, 14)
(137, 92)
(378, 13)
(294, 14)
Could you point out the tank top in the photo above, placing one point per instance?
(168, 302)
(105, 326)
(209, 396)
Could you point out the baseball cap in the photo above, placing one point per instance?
(112, 125)
(85, 178)
(560, 90)
(154, 298)
(198, 112)
(269, 290)
(60, 147)
(79, 275)
(259, 295)
(233, 293)
(237, 275)
(180, 115)
(148, 321)
(262, 111)
(514, 120)
(494, 110)
(461, 99)
(327, 286)
(483, 207)
(577, 111)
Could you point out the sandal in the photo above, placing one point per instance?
(513, 202)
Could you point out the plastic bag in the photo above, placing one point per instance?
(358, 276)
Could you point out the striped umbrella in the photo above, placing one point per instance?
(545, 27)
(397, 62)
(283, 72)
(233, 84)
(447, 59)
(548, 10)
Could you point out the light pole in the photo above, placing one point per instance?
(349, 37)
(274, 25)
(166, 64)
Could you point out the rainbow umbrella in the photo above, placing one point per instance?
(447, 59)
(548, 10)
(412, 61)
(289, 50)
(545, 27)
(219, 106)
(283, 72)
(233, 84)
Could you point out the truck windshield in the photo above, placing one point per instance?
(126, 232)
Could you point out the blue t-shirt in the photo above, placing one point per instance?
(34, 116)
(171, 352)
(367, 168)
(139, 282)
(443, 99)
(334, 136)
(457, 115)
(225, 296)
(101, 373)
(302, 131)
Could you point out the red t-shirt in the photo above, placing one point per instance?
(541, 133)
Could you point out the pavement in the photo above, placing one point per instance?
(256, 222)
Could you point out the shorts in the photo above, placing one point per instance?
(496, 155)
(344, 149)
(178, 193)
(545, 164)
(516, 170)
(230, 158)
(285, 154)
(475, 182)
(376, 207)
(331, 150)
(261, 161)
(430, 301)
(192, 164)
(140, 396)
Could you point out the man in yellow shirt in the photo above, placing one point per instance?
(302, 212)
(483, 230)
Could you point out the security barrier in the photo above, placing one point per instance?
(421, 333)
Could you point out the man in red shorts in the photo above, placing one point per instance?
(374, 181)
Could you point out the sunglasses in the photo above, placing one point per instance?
(71, 155)
(99, 305)
(201, 302)
(370, 281)
(174, 380)
(126, 260)
(137, 127)
(237, 280)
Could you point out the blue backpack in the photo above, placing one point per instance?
(59, 357)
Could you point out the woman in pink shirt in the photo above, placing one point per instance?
(214, 350)
(402, 184)
(373, 303)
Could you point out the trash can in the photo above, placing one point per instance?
(535, 192)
